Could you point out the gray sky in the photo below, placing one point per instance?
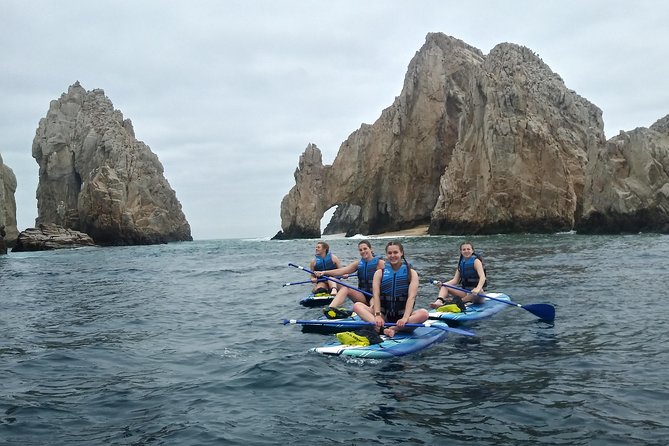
(229, 93)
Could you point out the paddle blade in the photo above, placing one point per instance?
(542, 311)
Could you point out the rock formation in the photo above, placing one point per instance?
(96, 177)
(628, 183)
(520, 155)
(7, 207)
(473, 144)
(50, 236)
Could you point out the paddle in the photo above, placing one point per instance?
(432, 324)
(304, 281)
(544, 312)
(331, 279)
(320, 279)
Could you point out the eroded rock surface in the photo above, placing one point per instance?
(628, 183)
(50, 236)
(473, 144)
(97, 178)
(8, 228)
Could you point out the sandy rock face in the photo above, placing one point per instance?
(628, 183)
(96, 177)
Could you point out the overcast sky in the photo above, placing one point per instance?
(229, 93)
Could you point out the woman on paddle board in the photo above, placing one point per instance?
(394, 291)
(365, 267)
(323, 261)
(469, 275)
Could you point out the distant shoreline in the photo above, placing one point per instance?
(413, 232)
(417, 231)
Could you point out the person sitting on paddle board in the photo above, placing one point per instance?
(365, 267)
(324, 261)
(394, 290)
(470, 275)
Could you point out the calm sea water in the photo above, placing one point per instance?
(182, 344)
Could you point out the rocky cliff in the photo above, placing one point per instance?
(521, 152)
(391, 169)
(473, 144)
(96, 177)
(628, 183)
(8, 227)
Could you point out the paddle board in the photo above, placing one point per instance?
(330, 328)
(474, 312)
(399, 345)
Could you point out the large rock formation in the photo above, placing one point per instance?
(628, 183)
(473, 143)
(7, 207)
(521, 151)
(96, 177)
(390, 169)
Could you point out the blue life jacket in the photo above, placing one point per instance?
(324, 263)
(394, 291)
(366, 272)
(469, 278)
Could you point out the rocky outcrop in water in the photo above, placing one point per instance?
(628, 183)
(473, 144)
(49, 236)
(520, 157)
(514, 151)
(7, 208)
(390, 169)
(97, 178)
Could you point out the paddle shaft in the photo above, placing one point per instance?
(304, 281)
(508, 302)
(332, 279)
(542, 311)
(320, 279)
(443, 327)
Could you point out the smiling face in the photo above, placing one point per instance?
(466, 249)
(394, 253)
(321, 249)
(365, 250)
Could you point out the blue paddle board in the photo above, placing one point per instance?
(399, 345)
(330, 328)
(474, 312)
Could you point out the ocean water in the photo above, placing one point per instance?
(182, 344)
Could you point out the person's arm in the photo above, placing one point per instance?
(456, 278)
(376, 298)
(348, 269)
(411, 298)
(478, 266)
(312, 265)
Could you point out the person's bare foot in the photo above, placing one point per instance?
(390, 332)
